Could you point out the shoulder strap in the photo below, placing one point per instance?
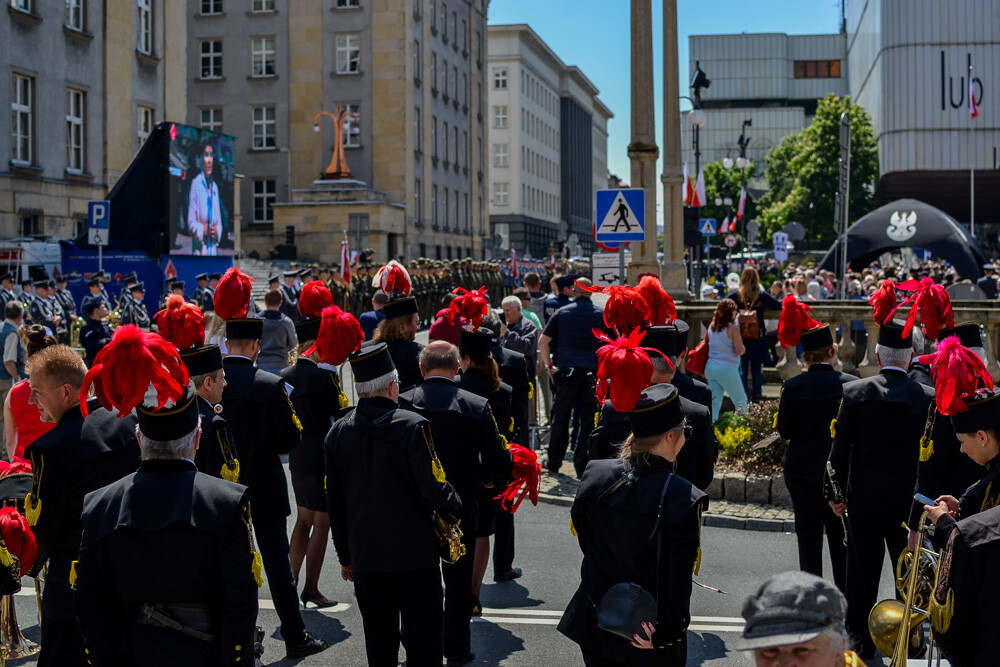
(626, 476)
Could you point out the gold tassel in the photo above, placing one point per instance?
(258, 569)
(437, 470)
(597, 416)
(531, 390)
(697, 563)
(5, 558)
(298, 424)
(231, 474)
(833, 428)
(344, 401)
(572, 529)
(72, 574)
(324, 482)
(511, 427)
(774, 422)
(32, 509)
(503, 441)
(926, 449)
(941, 614)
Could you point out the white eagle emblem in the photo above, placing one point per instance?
(902, 227)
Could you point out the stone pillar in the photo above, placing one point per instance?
(838, 364)
(992, 365)
(672, 272)
(790, 366)
(642, 150)
(847, 347)
(869, 366)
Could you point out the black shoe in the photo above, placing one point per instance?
(477, 608)
(308, 645)
(509, 575)
(321, 602)
(462, 660)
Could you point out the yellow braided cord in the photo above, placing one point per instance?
(231, 474)
(531, 390)
(833, 428)
(258, 569)
(32, 509)
(926, 449)
(774, 422)
(437, 470)
(597, 416)
(298, 424)
(503, 441)
(572, 529)
(72, 573)
(343, 400)
(697, 563)
(941, 614)
(511, 428)
(5, 558)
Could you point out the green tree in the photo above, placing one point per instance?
(803, 172)
(721, 183)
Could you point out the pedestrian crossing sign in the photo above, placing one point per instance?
(707, 226)
(621, 215)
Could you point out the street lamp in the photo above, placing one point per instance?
(727, 163)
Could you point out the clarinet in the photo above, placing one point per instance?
(838, 496)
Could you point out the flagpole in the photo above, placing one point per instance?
(972, 159)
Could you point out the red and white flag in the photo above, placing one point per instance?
(724, 227)
(687, 186)
(743, 203)
(973, 107)
(513, 264)
(699, 190)
(345, 262)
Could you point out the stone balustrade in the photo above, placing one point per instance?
(841, 313)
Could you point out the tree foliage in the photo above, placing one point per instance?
(721, 182)
(803, 172)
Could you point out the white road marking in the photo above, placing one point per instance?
(264, 603)
(517, 616)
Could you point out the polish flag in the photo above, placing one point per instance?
(743, 203)
(687, 186)
(345, 263)
(699, 190)
(513, 264)
(724, 227)
(973, 107)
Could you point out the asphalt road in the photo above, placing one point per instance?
(519, 619)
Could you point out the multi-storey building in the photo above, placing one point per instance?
(410, 76)
(548, 146)
(86, 83)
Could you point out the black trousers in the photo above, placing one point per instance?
(578, 387)
(871, 533)
(503, 542)
(458, 600)
(272, 542)
(62, 644)
(812, 516)
(415, 596)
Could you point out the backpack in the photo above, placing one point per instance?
(749, 324)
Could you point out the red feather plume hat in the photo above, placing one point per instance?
(794, 321)
(393, 280)
(315, 297)
(181, 323)
(624, 369)
(339, 336)
(526, 472)
(958, 373)
(125, 368)
(18, 538)
(232, 295)
(473, 305)
(661, 307)
(883, 302)
(932, 302)
(625, 309)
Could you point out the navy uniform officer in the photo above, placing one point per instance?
(467, 441)
(41, 311)
(264, 426)
(94, 290)
(6, 289)
(290, 295)
(203, 295)
(696, 462)
(95, 334)
(562, 296)
(384, 485)
(875, 450)
(808, 404)
(77, 456)
(166, 573)
(133, 309)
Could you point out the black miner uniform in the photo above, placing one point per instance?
(76, 457)
(808, 404)
(513, 369)
(471, 452)
(404, 353)
(875, 450)
(384, 484)
(217, 449)
(264, 427)
(158, 537)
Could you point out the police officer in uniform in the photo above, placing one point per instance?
(471, 452)
(134, 311)
(264, 426)
(6, 289)
(27, 296)
(41, 310)
(689, 388)
(385, 482)
(77, 456)
(95, 334)
(94, 290)
(198, 603)
(808, 403)
(563, 297)
(202, 296)
(875, 450)
(290, 296)
(131, 278)
(66, 303)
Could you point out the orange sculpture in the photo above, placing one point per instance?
(337, 169)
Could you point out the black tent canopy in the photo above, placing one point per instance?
(908, 223)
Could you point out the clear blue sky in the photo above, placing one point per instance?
(594, 36)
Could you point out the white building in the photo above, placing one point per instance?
(547, 133)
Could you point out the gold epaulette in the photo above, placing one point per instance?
(926, 441)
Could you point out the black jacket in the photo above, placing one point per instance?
(404, 355)
(316, 399)
(514, 372)
(381, 489)
(94, 335)
(979, 497)
(808, 403)
(501, 400)
(167, 534)
(618, 545)
(692, 390)
(465, 437)
(217, 448)
(264, 426)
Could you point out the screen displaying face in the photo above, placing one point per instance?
(202, 175)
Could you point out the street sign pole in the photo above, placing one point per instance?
(621, 266)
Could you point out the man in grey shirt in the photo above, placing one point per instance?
(14, 355)
(278, 338)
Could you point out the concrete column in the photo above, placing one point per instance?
(672, 273)
(790, 366)
(642, 150)
(846, 346)
(838, 363)
(992, 366)
(869, 366)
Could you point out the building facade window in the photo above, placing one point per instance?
(352, 128)
(500, 116)
(444, 78)
(447, 208)
(433, 13)
(447, 151)
(262, 6)
(434, 73)
(817, 69)
(143, 125)
(22, 119)
(500, 78)
(264, 126)
(348, 53)
(499, 155)
(418, 215)
(434, 207)
(264, 196)
(23, 5)
(211, 7)
(347, 4)
(75, 108)
(262, 54)
(418, 61)
(211, 119)
(465, 148)
(417, 130)
(144, 43)
(31, 224)
(444, 21)
(211, 59)
(500, 194)
(455, 144)
(74, 14)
